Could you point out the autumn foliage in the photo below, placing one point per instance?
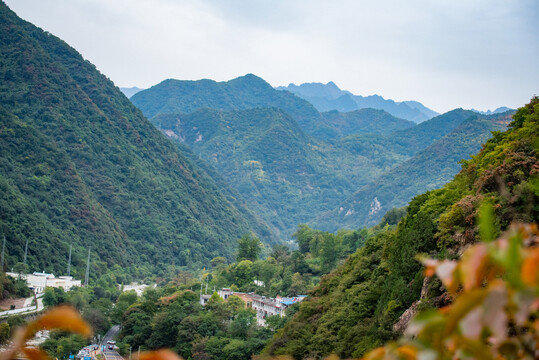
(495, 311)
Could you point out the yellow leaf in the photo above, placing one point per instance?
(376, 354)
(159, 355)
(446, 271)
(60, 318)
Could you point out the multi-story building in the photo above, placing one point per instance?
(264, 306)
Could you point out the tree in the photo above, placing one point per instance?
(218, 262)
(20, 268)
(298, 286)
(49, 297)
(243, 273)
(249, 248)
(329, 252)
(4, 333)
(303, 236)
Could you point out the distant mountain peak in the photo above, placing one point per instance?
(499, 110)
(327, 97)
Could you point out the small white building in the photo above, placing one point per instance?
(38, 281)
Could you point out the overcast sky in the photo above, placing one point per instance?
(444, 53)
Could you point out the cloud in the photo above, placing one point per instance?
(445, 54)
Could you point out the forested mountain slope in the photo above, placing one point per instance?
(426, 170)
(242, 93)
(286, 175)
(80, 164)
(335, 125)
(356, 307)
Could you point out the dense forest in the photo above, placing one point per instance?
(358, 306)
(81, 165)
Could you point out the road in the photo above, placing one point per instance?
(110, 335)
(27, 309)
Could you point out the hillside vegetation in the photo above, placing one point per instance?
(291, 171)
(286, 175)
(80, 164)
(428, 169)
(358, 306)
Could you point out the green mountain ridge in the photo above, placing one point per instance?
(80, 164)
(242, 93)
(288, 174)
(426, 170)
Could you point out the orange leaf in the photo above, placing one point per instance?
(471, 265)
(430, 266)
(159, 355)
(462, 306)
(447, 274)
(376, 354)
(408, 352)
(60, 318)
(35, 354)
(530, 267)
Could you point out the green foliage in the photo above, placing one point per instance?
(81, 165)
(249, 248)
(13, 288)
(62, 344)
(221, 330)
(5, 331)
(436, 147)
(358, 306)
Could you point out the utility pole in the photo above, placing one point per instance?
(206, 291)
(25, 252)
(201, 286)
(69, 260)
(87, 269)
(3, 250)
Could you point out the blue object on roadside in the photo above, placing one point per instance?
(87, 358)
(71, 356)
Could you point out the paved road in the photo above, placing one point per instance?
(25, 310)
(110, 335)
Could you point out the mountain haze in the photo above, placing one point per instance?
(327, 97)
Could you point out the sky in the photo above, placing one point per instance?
(479, 54)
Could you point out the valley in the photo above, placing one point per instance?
(235, 219)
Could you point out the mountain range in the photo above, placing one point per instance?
(130, 91)
(293, 164)
(327, 97)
